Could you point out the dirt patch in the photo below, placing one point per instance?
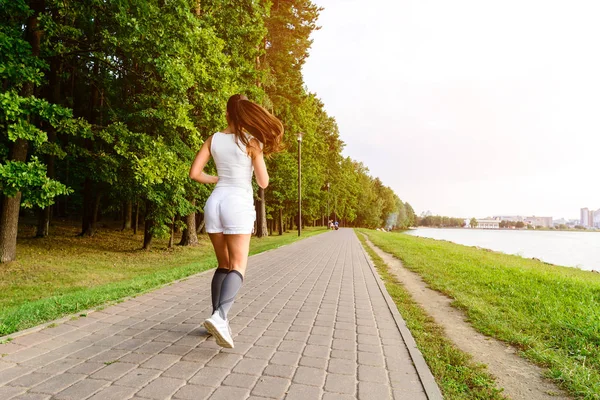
(520, 379)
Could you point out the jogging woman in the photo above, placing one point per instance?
(252, 132)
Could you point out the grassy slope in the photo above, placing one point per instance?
(552, 313)
(65, 274)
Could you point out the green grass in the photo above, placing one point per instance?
(551, 313)
(458, 377)
(64, 274)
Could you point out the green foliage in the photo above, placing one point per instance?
(17, 66)
(126, 93)
(521, 225)
(30, 179)
(27, 118)
(439, 221)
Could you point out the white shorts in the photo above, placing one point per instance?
(230, 210)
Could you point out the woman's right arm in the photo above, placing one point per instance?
(258, 162)
(197, 170)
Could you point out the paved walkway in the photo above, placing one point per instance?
(309, 323)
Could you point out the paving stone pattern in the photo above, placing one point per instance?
(309, 323)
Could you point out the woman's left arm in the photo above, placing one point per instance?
(197, 170)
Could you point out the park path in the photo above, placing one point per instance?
(310, 322)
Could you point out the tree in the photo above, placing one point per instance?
(411, 217)
(473, 222)
(289, 25)
(243, 43)
(25, 120)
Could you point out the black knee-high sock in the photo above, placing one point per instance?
(215, 286)
(229, 289)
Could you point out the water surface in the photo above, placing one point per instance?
(571, 249)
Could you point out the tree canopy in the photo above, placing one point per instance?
(104, 105)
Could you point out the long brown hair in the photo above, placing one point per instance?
(254, 119)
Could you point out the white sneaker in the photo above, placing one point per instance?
(219, 328)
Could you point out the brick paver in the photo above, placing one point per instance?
(310, 322)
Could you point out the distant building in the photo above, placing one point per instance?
(488, 223)
(570, 223)
(596, 219)
(560, 221)
(511, 218)
(585, 217)
(546, 222)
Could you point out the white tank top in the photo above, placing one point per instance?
(234, 165)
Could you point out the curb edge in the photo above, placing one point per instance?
(431, 388)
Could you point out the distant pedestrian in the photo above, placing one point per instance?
(337, 225)
(238, 151)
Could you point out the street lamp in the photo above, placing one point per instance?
(299, 183)
(335, 208)
(328, 205)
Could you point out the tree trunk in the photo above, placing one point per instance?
(9, 214)
(200, 223)
(261, 215)
(61, 206)
(87, 220)
(87, 224)
(189, 237)
(172, 233)
(127, 214)
(175, 226)
(280, 221)
(96, 211)
(43, 227)
(148, 223)
(202, 227)
(137, 217)
(54, 97)
(9, 222)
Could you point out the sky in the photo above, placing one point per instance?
(467, 108)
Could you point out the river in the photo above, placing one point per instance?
(571, 249)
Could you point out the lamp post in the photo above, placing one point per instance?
(328, 205)
(335, 209)
(299, 183)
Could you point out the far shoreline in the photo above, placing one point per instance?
(503, 229)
